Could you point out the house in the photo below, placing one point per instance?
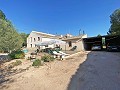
(73, 42)
(37, 37)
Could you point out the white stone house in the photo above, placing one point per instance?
(71, 41)
(37, 37)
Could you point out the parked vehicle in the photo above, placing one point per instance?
(113, 47)
(96, 47)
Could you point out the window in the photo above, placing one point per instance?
(38, 38)
(34, 39)
(70, 44)
(31, 45)
(31, 39)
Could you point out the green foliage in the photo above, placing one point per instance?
(52, 58)
(47, 58)
(9, 37)
(13, 64)
(24, 37)
(2, 15)
(18, 62)
(98, 35)
(17, 55)
(37, 63)
(115, 23)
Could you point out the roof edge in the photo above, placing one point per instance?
(42, 33)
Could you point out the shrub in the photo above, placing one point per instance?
(17, 54)
(52, 58)
(47, 58)
(37, 63)
(18, 62)
(13, 64)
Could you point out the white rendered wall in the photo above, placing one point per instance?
(33, 42)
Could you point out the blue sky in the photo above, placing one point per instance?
(60, 16)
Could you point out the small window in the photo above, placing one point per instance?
(38, 38)
(70, 44)
(34, 39)
(31, 39)
(31, 45)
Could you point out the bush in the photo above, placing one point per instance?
(18, 62)
(47, 58)
(52, 58)
(17, 54)
(13, 64)
(37, 63)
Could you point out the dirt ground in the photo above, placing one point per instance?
(100, 71)
(86, 71)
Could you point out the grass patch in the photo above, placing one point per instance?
(37, 63)
(13, 64)
(47, 58)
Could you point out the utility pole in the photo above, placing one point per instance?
(83, 32)
(79, 32)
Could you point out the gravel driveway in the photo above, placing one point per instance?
(100, 71)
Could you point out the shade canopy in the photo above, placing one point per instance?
(55, 41)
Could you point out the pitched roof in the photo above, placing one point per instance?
(72, 38)
(44, 34)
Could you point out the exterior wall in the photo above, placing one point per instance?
(79, 45)
(31, 41)
(46, 39)
(75, 42)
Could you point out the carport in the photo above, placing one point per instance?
(89, 42)
(112, 40)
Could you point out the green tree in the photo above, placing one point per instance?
(24, 37)
(115, 23)
(98, 35)
(9, 37)
(2, 15)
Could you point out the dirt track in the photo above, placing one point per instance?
(87, 71)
